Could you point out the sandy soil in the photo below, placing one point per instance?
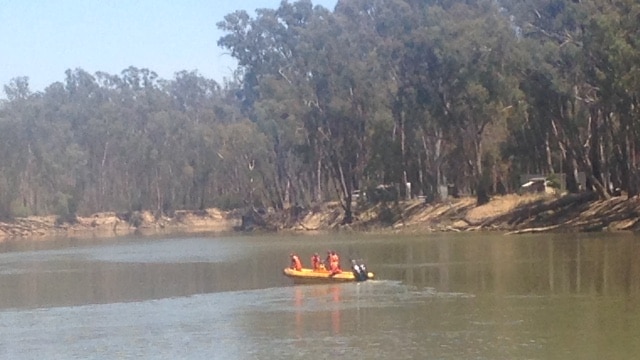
(112, 224)
(509, 213)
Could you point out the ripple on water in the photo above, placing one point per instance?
(200, 326)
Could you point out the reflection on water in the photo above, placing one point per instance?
(328, 296)
(441, 296)
(129, 269)
(557, 264)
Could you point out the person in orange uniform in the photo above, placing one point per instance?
(316, 262)
(335, 263)
(295, 262)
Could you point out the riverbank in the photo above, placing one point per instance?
(116, 224)
(510, 214)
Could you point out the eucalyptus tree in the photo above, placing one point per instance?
(347, 79)
(562, 93)
(146, 165)
(244, 162)
(222, 156)
(66, 160)
(93, 113)
(612, 47)
(464, 63)
(40, 157)
(308, 69)
(385, 29)
(407, 52)
(267, 49)
(195, 111)
(15, 149)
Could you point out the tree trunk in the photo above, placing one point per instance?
(347, 197)
(482, 193)
(547, 148)
(594, 147)
(318, 191)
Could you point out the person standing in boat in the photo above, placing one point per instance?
(295, 262)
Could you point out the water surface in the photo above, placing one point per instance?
(440, 296)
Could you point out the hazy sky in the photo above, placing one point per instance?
(41, 39)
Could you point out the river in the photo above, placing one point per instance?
(436, 296)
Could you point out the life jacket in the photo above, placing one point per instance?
(335, 264)
(335, 259)
(295, 263)
(315, 262)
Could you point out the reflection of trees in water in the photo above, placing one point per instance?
(533, 265)
(317, 320)
(604, 266)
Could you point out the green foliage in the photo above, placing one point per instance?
(18, 209)
(435, 93)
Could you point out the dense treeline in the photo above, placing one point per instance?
(129, 142)
(432, 93)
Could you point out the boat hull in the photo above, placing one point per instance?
(310, 276)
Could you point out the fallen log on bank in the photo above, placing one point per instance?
(533, 230)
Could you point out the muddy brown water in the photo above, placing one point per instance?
(438, 296)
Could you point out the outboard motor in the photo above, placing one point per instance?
(359, 270)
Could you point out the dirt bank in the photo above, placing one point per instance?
(508, 214)
(115, 224)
